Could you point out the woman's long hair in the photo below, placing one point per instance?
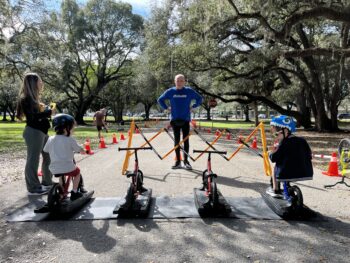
(30, 93)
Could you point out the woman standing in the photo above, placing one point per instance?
(35, 133)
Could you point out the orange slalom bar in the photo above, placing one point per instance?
(154, 136)
(173, 149)
(211, 144)
(246, 140)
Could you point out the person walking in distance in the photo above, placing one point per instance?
(180, 106)
(100, 121)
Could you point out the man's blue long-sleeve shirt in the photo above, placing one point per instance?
(180, 102)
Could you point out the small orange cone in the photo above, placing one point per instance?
(102, 143)
(87, 147)
(194, 124)
(114, 139)
(137, 131)
(122, 138)
(228, 136)
(240, 139)
(217, 132)
(180, 157)
(333, 166)
(209, 131)
(255, 144)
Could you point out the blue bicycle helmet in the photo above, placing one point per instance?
(63, 121)
(284, 121)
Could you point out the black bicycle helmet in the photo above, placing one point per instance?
(63, 121)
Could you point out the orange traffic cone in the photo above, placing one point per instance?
(114, 139)
(137, 131)
(87, 147)
(209, 131)
(240, 139)
(217, 132)
(180, 157)
(255, 144)
(194, 124)
(122, 138)
(228, 136)
(333, 166)
(102, 143)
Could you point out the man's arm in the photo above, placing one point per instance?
(198, 98)
(161, 100)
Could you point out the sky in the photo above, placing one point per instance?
(140, 7)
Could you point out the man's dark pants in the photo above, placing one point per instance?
(177, 126)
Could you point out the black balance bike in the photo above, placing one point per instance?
(137, 199)
(209, 197)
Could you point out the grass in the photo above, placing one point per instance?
(226, 125)
(11, 139)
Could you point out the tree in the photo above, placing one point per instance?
(264, 49)
(92, 46)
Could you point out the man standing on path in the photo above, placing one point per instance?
(99, 120)
(180, 98)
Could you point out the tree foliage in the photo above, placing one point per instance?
(275, 52)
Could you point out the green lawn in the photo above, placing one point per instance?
(11, 133)
(227, 125)
(11, 136)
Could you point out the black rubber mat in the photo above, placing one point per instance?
(162, 207)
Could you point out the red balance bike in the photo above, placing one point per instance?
(209, 197)
(137, 199)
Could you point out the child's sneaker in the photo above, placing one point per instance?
(82, 190)
(75, 195)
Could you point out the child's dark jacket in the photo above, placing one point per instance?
(293, 160)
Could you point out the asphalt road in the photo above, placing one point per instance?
(326, 239)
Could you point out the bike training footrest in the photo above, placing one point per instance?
(139, 208)
(205, 208)
(69, 206)
(285, 209)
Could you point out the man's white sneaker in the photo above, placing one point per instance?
(187, 165)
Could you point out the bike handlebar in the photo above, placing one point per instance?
(209, 151)
(134, 148)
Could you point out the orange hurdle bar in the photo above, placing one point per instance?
(173, 149)
(211, 144)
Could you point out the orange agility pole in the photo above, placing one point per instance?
(267, 164)
(127, 154)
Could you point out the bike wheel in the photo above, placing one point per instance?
(139, 181)
(204, 179)
(297, 198)
(54, 196)
(214, 196)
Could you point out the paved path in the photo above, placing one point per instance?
(180, 240)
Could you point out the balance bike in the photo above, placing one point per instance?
(290, 206)
(209, 199)
(58, 200)
(138, 199)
